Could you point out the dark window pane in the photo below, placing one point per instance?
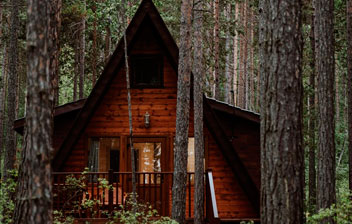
(147, 71)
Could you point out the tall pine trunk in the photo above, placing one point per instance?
(282, 153)
(235, 60)
(55, 20)
(34, 183)
(325, 67)
(312, 184)
(82, 51)
(241, 84)
(349, 78)
(76, 67)
(3, 83)
(245, 56)
(217, 89)
(227, 84)
(198, 72)
(10, 146)
(107, 44)
(94, 47)
(182, 116)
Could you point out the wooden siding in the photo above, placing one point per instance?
(110, 119)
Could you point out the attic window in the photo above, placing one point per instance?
(147, 71)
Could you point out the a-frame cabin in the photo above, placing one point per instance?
(94, 133)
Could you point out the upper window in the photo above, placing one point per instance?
(147, 71)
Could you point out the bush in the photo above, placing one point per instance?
(7, 191)
(135, 213)
(342, 212)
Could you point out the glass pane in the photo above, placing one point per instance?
(104, 154)
(190, 160)
(93, 155)
(148, 156)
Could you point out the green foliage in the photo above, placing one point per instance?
(247, 222)
(342, 212)
(7, 204)
(140, 213)
(60, 218)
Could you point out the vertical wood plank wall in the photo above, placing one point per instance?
(111, 120)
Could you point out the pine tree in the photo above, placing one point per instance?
(10, 146)
(198, 71)
(325, 67)
(182, 116)
(349, 78)
(35, 186)
(282, 153)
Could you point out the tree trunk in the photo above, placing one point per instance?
(241, 62)
(312, 185)
(107, 44)
(182, 116)
(235, 60)
(10, 146)
(217, 89)
(227, 92)
(55, 50)
(325, 65)
(198, 72)
(76, 67)
(3, 84)
(133, 159)
(349, 79)
(251, 39)
(82, 51)
(94, 47)
(34, 183)
(245, 56)
(282, 153)
(337, 98)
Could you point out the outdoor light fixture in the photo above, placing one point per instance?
(146, 120)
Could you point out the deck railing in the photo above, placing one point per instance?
(212, 215)
(107, 191)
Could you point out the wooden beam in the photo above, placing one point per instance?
(231, 156)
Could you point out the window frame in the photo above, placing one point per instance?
(159, 59)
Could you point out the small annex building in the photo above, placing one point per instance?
(94, 133)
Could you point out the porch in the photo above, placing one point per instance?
(95, 195)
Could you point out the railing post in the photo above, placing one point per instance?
(207, 198)
(111, 190)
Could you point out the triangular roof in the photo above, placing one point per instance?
(147, 10)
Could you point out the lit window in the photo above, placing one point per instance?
(104, 154)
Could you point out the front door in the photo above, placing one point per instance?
(152, 181)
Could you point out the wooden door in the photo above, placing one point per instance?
(152, 180)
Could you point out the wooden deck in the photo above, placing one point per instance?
(94, 195)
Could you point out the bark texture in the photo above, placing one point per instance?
(94, 47)
(235, 61)
(325, 65)
(3, 82)
(349, 78)
(10, 146)
(282, 153)
(198, 71)
(82, 51)
(55, 49)
(217, 89)
(182, 116)
(312, 184)
(227, 84)
(34, 195)
(133, 164)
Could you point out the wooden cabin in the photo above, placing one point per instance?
(94, 133)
